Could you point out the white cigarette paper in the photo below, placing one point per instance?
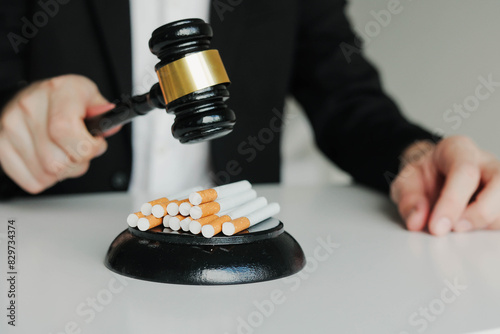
(251, 219)
(215, 226)
(208, 195)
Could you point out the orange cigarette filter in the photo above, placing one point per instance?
(139, 214)
(217, 224)
(208, 195)
(158, 201)
(149, 222)
(133, 218)
(209, 209)
(174, 222)
(207, 220)
(195, 226)
(241, 224)
(147, 207)
(173, 206)
(164, 205)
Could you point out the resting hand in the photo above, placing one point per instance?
(449, 186)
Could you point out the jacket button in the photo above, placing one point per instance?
(119, 181)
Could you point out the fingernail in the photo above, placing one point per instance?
(414, 210)
(100, 108)
(463, 226)
(411, 214)
(412, 221)
(443, 226)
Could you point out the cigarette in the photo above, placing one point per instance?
(185, 224)
(133, 218)
(195, 226)
(215, 226)
(173, 207)
(160, 210)
(147, 208)
(184, 208)
(210, 195)
(224, 204)
(165, 221)
(175, 222)
(242, 223)
(148, 222)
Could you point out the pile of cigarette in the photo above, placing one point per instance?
(229, 209)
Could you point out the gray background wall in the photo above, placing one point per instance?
(431, 55)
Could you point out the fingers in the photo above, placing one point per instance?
(408, 192)
(14, 166)
(98, 109)
(21, 140)
(40, 154)
(495, 225)
(458, 159)
(485, 210)
(67, 106)
(455, 174)
(43, 138)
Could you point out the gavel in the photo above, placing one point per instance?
(192, 86)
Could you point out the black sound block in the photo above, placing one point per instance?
(261, 253)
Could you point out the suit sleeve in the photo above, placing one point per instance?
(12, 75)
(355, 123)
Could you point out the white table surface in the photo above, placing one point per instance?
(377, 278)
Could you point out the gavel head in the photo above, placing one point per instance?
(193, 80)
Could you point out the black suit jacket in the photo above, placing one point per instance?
(270, 49)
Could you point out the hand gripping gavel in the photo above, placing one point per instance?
(192, 86)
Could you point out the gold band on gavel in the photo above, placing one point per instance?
(191, 73)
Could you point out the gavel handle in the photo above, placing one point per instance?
(125, 111)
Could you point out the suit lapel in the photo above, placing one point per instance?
(228, 25)
(112, 25)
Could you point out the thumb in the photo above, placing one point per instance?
(99, 109)
(99, 105)
(96, 103)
